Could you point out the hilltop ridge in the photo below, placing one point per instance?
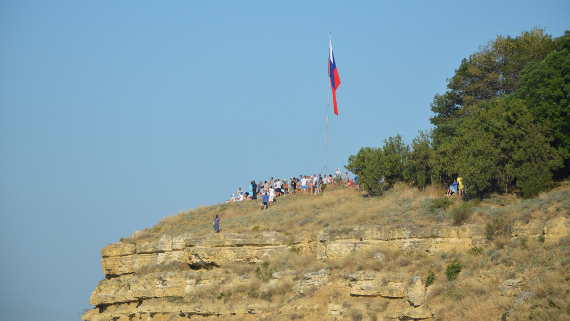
(408, 255)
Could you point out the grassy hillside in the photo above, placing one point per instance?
(338, 207)
(477, 284)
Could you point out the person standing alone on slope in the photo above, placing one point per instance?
(217, 224)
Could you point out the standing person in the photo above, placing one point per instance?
(217, 224)
(264, 201)
(277, 187)
(285, 186)
(253, 190)
(452, 188)
(271, 196)
(303, 183)
(461, 186)
(266, 187)
(239, 194)
(315, 184)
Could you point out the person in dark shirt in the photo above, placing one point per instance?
(253, 190)
(217, 224)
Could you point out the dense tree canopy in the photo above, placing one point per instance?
(500, 146)
(545, 85)
(492, 72)
(503, 124)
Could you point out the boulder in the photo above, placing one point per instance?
(556, 229)
(416, 292)
(312, 280)
(374, 284)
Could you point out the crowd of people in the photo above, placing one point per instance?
(269, 190)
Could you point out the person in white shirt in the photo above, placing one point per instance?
(315, 184)
(271, 196)
(304, 183)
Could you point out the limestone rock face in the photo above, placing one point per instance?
(312, 280)
(529, 230)
(163, 279)
(378, 286)
(129, 288)
(511, 286)
(155, 279)
(336, 244)
(118, 249)
(417, 313)
(365, 283)
(126, 258)
(416, 292)
(555, 229)
(335, 310)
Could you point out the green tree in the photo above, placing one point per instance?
(546, 88)
(367, 164)
(500, 146)
(503, 124)
(490, 73)
(395, 159)
(380, 168)
(420, 163)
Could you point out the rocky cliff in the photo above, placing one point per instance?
(157, 279)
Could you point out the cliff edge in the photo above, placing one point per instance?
(410, 255)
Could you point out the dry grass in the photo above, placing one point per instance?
(303, 213)
(545, 294)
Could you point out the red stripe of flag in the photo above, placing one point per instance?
(334, 77)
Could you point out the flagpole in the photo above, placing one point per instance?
(327, 131)
(327, 113)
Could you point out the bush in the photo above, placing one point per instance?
(356, 315)
(475, 251)
(440, 203)
(380, 168)
(460, 214)
(430, 278)
(453, 270)
(499, 226)
(264, 272)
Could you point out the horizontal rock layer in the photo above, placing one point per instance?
(156, 279)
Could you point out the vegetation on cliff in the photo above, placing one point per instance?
(503, 124)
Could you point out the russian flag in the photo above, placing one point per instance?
(334, 77)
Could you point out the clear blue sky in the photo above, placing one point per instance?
(114, 114)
